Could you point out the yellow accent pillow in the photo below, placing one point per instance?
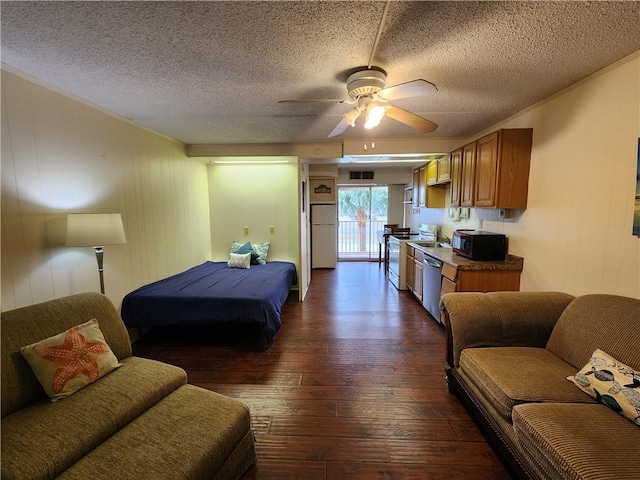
(612, 383)
(71, 360)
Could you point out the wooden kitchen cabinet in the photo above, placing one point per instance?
(424, 195)
(502, 169)
(456, 177)
(422, 183)
(439, 171)
(444, 169)
(418, 265)
(455, 280)
(432, 172)
(410, 268)
(467, 175)
(492, 172)
(416, 187)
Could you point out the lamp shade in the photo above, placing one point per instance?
(94, 229)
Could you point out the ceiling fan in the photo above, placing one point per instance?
(371, 98)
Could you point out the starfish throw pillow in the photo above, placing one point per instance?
(71, 360)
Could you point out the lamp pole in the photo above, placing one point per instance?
(99, 254)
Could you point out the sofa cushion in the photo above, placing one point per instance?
(570, 441)
(214, 441)
(509, 376)
(27, 325)
(598, 321)
(612, 383)
(71, 360)
(42, 440)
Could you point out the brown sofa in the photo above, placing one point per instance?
(140, 421)
(508, 356)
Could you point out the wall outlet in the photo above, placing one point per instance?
(272, 229)
(246, 229)
(503, 213)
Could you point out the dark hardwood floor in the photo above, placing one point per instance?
(352, 387)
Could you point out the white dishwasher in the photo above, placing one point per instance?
(431, 286)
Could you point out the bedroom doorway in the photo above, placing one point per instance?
(362, 213)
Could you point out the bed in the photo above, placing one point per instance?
(213, 293)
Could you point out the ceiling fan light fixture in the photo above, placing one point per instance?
(351, 116)
(374, 116)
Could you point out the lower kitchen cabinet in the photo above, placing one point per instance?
(417, 274)
(478, 280)
(410, 268)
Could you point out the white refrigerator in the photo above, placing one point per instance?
(324, 236)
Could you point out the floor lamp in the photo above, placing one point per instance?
(95, 230)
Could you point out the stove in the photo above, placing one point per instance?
(427, 236)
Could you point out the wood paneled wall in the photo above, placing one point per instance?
(61, 156)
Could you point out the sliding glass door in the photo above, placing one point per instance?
(362, 213)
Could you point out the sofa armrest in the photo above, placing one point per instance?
(499, 319)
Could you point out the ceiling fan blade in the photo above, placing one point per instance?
(409, 89)
(314, 100)
(411, 119)
(338, 129)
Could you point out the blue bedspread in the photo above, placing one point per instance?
(211, 293)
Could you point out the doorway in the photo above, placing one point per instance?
(362, 213)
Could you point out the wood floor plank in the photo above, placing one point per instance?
(368, 380)
(321, 448)
(406, 410)
(406, 471)
(442, 453)
(286, 470)
(352, 388)
(362, 428)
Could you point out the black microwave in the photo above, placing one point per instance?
(480, 245)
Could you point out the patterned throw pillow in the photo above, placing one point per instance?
(239, 260)
(258, 251)
(612, 383)
(71, 360)
(262, 249)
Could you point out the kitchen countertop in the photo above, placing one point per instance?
(447, 255)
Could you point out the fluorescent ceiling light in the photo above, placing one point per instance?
(397, 156)
(389, 161)
(246, 162)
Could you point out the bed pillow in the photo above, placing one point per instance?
(612, 383)
(71, 360)
(262, 249)
(237, 247)
(239, 260)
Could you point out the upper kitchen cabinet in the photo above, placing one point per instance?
(467, 175)
(439, 171)
(422, 183)
(456, 175)
(416, 186)
(502, 169)
(444, 169)
(432, 172)
(425, 195)
(492, 172)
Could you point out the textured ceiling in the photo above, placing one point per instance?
(213, 72)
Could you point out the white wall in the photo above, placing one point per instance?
(575, 235)
(60, 156)
(258, 197)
